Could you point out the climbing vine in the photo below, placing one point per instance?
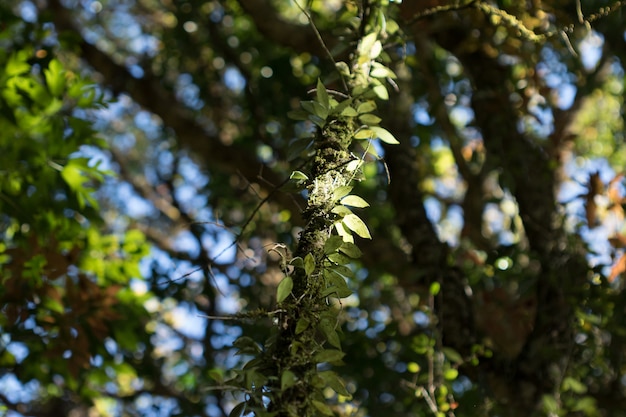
(283, 376)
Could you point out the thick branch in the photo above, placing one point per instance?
(430, 254)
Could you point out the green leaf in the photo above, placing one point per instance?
(354, 223)
(378, 70)
(450, 374)
(343, 68)
(322, 408)
(381, 92)
(452, 355)
(344, 232)
(55, 77)
(322, 94)
(340, 107)
(364, 134)
(328, 329)
(309, 264)
(366, 107)
(298, 175)
(571, 384)
(287, 379)
(284, 289)
(354, 201)
(434, 289)
(315, 108)
(339, 259)
(354, 165)
(298, 114)
(332, 244)
(342, 270)
(349, 112)
(336, 284)
(302, 325)
(341, 211)
(351, 250)
(297, 262)
(377, 48)
(17, 64)
(367, 43)
(384, 135)
(369, 119)
(331, 379)
(329, 355)
(341, 192)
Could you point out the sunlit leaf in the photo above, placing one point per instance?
(354, 201)
(284, 289)
(384, 135)
(354, 223)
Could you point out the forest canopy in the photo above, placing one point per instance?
(312, 208)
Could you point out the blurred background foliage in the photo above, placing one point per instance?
(145, 153)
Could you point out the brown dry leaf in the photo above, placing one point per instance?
(618, 241)
(595, 187)
(618, 269)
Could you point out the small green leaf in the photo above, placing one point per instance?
(318, 121)
(452, 355)
(354, 201)
(332, 244)
(384, 135)
(380, 71)
(381, 92)
(322, 94)
(331, 379)
(343, 68)
(297, 262)
(298, 114)
(339, 259)
(340, 107)
(349, 112)
(315, 108)
(450, 374)
(329, 331)
(364, 134)
(329, 355)
(435, 287)
(336, 284)
(367, 43)
(309, 264)
(287, 379)
(322, 408)
(369, 119)
(341, 192)
(302, 325)
(55, 77)
(353, 165)
(354, 223)
(351, 250)
(342, 270)
(341, 211)
(377, 48)
(284, 289)
(344, 232)
(366, 107)
(298, 175)
(336, 292)
(571, 384)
